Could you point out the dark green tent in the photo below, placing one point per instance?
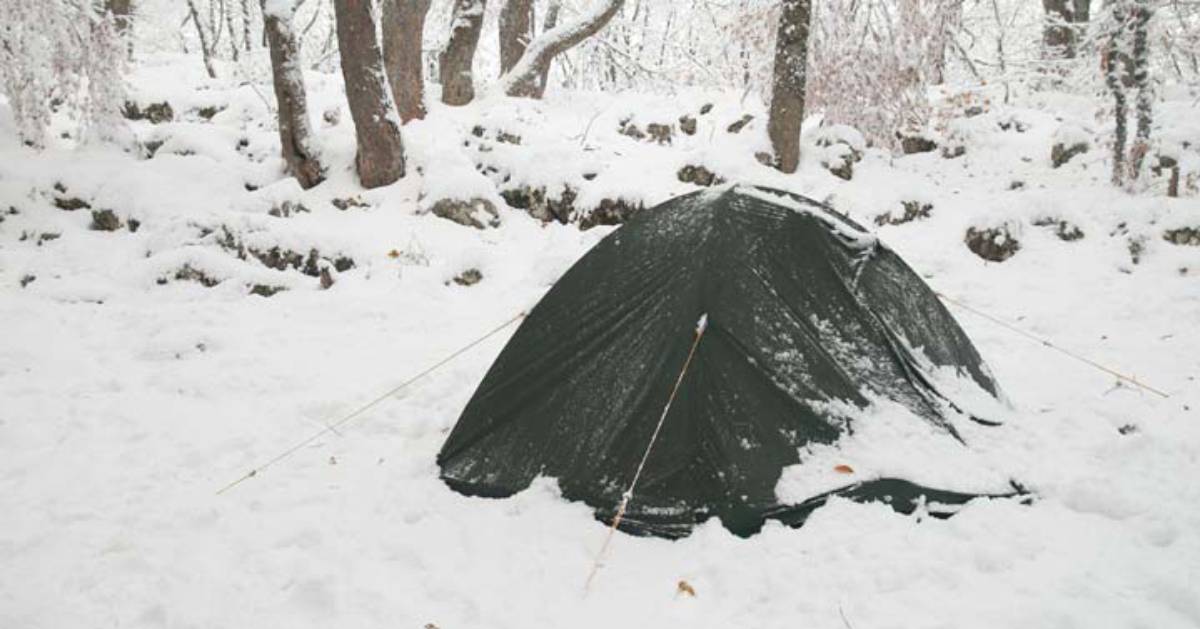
(804, 308)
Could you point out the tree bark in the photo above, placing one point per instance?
(204, 49)
(523, 80)
(788, 84)
(548, 25)
(403, 25)
(1058, 34)
(246, 25)
(1140, 18)
(380, 159)
(122, 12)
(1111, 60)
(295, 134)
(516, 31)
(454, 62)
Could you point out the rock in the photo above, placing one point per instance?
(263, 290)
(1065, 230)
(26, 280)
(626, 127)
(660, 133)
(913, 210)
(470, 277)
(70, 204)
(705, 108)
(1136, 246)
(133, 224)
(349, 202)
(105, 221)
(1016, 185)
(995, 244)
(154, 113)
(687, 124)
(326, 278)
(972, 111)
(187, 273)
(47, 237)
(840, 152)
(1183, 236)
(1061, 153)
(540, 205)
(740, 124)
(287, 208)
(951, 152)
(610, 212)
(913, 144)
(477, 213)
(699, 175)
(1014, 124)
(505, 137)
(208, 112)
(151, 147)
(332, 116)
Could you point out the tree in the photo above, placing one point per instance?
(60, 54)
(205, 49)
(403, 25)
(1058, 33)
(525, 79)
(1125, 68)
(454, 62)
(295, 134)
(516, 31)
(380, 159)
(788, 84)
(550, 21)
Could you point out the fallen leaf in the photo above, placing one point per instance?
(843, 469)
(393, 254)
(684, 588)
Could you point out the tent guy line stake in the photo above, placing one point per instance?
(1083, 359)
(364, 408)
(701, 326)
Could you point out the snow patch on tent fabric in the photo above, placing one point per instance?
(886, 440)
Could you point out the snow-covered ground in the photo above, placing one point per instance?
(130, 392)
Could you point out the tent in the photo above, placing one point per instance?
(807, 315)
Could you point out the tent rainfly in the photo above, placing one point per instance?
(809, 318)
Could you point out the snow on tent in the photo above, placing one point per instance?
(817, 336)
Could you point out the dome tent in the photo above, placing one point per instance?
(809, 321)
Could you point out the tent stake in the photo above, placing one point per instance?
(701, 326)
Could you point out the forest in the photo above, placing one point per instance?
(569, 313)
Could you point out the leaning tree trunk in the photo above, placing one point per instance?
(516, 31)
(524, 79)
(380, 159)
(204, 48)
(403, 25)
(295, 135)
(788, 85)
(454, 62)
(547, 25)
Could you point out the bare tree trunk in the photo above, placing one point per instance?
(380, 159)
(1111, 60)
(516, 31)
(208, 63)
(1140, 18)
(295, 135)
(547, 26)
(1058, 34)
(522, 80)
(403, 25)
(246, 25)
(788, 85)
(454, 63)
(233, 43)
(122, 12)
